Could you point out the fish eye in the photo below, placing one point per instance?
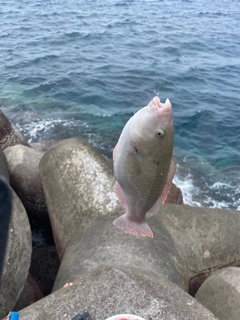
(160, 133)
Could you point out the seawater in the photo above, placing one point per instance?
(82, 68)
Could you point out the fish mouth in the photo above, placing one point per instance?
(161, 109)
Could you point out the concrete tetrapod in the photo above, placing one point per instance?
(102, 244)
(220, 293)
(29, 295)
(9, 134)
(17, 258)
(18, 249)
(78, 185)
(23, 165)
(3, 166)
(188, 244)
(107, 291)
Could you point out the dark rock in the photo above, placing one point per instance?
(44, 267)
(30, 294)
(175, 195)
(79, 186)
(17, 258)
(106, 291)
(23, 165)
(9, 134)
(220, 293)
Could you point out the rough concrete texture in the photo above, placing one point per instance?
(220, 293)
(102, 244)
(9, 135)
(43, 145)
(3, 166)
(78, 185)
(188, 243)
(106, 291)
(23, 165)
(30, 294)
(17, 258)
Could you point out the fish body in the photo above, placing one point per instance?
(143, 165)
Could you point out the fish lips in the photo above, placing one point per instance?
(162, 110)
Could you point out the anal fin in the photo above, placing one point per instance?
(120, 195)
(170, 176)
(166, 189)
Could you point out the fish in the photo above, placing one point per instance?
(144, 166)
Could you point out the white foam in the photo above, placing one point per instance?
(221, 195)
(215, 204)
(219, 185)
(35, 130)
(227, 190)
(188, 189)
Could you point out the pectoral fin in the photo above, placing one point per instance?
(132, 163)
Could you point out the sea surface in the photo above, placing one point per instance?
(82, 68)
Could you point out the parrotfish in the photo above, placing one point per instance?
(144, 166)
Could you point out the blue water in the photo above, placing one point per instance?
(82, 68)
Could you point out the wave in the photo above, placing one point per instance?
(207, 186)
(188, 189)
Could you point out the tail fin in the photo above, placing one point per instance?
(128, 226)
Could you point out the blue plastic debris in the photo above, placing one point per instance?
(13, 315)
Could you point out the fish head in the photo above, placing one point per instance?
(152, 128)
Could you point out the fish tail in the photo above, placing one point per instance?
(135, 228)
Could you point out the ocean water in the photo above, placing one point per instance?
(82, 68)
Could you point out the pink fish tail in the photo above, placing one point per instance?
(131, 227)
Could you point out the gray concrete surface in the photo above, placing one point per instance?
(3, 166)
(17, 258)
(30, 294)
(220, 293)
(107, 291)
(23, 166)
(189, 242)
(78, 185)
(9, 134)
